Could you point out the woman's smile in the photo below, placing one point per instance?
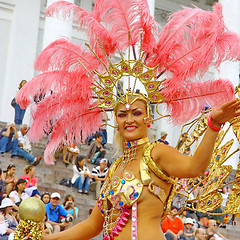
(130, 128)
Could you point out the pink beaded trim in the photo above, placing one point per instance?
(134, 222)
(120, 224)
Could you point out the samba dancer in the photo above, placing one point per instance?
(134, 196)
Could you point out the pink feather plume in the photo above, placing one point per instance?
(149, 27)
(188, 44)
(187, 101)
(122, 18)
(95, 30)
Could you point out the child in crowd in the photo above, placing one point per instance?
(188, 229)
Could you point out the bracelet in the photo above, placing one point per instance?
(211, 126)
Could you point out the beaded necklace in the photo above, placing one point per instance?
(130, 149)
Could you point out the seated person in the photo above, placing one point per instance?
(70, 151)
(69, 205)
(55, 212)
(81, 175)
(188, 229)
(6, 211)
(96, 150)
(9, 140)
(99, 175)
(163, 137)
(200, 234)
(24, 146)
(18, 195)
(212, 230)
(31, 186)
(3, 187)
(45, 197)
(9, 177)
(172, 226)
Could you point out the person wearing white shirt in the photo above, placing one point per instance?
(18, 195)
(99, 174)
(81, 175)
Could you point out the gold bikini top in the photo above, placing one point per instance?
(126, 191)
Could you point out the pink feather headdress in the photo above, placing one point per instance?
(192, 41)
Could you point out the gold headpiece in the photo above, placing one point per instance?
(109, 82)
(110, 79)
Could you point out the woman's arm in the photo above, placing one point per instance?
(82, 231)
(179, 165)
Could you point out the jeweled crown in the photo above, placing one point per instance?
(109, 81)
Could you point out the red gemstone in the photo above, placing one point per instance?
(125, 68)
(108, 102)
(105, 93)
(136, 69)
(114, 72)
(122, 224)
(154, 97)
(111, 237)
(127, 206)
(127, 214)
(124, 218)
(115, 233)
(108, 82)
(151, 86)
(146, 76)
(118, 228)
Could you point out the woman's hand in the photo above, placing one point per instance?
(225, 112)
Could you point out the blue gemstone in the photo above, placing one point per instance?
(102, 211)
(122, 181)
(216, 178)
(120, 203)
(136, 194)
(111, 192)
(128, 144)
(217, 157)
(102, 195)
(208, 202)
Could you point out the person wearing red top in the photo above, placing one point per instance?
(173, 227)
(29, 176)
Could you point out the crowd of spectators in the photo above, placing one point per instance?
(187, 226)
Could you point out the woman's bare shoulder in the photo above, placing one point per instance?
(160, 150)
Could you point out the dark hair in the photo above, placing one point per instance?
(97, 135)
(67, 197)
(0, 171)
(45, 193)
(20, 180)
(3, 211)
(10, 166)
(173, 207)
(79, 158)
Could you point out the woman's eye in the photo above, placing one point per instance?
(121, 115)
(138, 113)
